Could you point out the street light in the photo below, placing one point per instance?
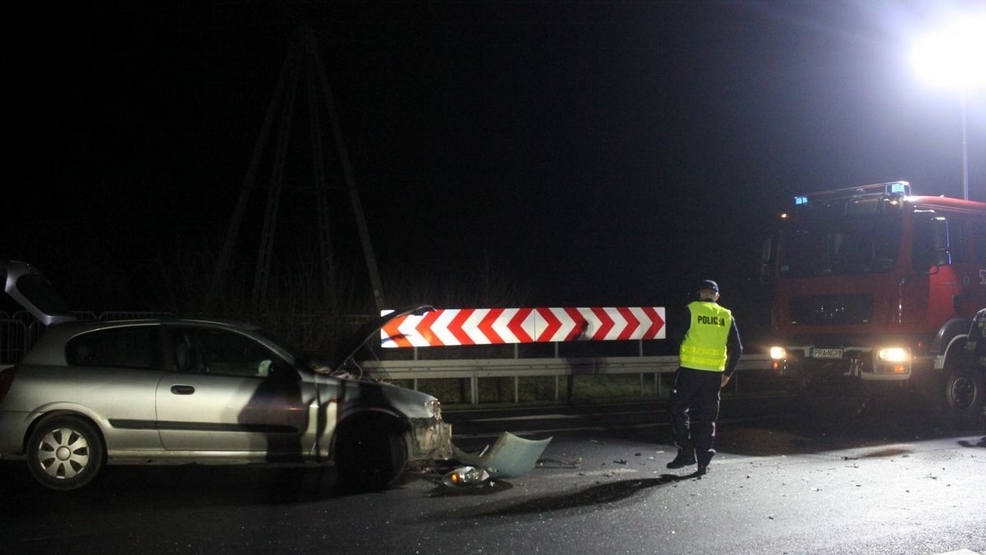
(954, 56)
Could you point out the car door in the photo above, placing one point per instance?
(232, 397)
(114, 373)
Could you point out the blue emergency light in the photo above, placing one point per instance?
(888, 188)
(899, 187)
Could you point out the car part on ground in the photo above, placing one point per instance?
(466, 476)
(509, 457)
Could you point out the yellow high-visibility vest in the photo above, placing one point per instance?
(704, 347)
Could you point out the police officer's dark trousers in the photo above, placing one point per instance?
(694, 408)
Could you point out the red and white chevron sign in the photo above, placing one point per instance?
(492, 326)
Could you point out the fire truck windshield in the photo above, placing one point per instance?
(833, 241)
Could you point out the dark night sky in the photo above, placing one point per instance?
(600, 153)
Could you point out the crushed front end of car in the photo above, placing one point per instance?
(430, 441)
(429, 437)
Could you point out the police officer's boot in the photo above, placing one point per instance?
(686, 457)
(704, 457)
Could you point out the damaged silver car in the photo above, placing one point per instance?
(178, 390)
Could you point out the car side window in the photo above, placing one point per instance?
(221, 352)
(133, 347)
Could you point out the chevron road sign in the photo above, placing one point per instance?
(493, 326)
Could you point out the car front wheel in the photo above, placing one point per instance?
(370, 453)
(65, 452)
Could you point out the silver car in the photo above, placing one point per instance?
(175, 391)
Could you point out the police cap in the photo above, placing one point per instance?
(708, 284)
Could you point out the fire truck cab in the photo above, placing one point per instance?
(875, 286)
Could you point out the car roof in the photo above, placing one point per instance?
(87, 325)
(49, 349)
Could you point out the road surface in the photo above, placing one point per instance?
(894, 484)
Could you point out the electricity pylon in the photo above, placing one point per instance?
(303, 53)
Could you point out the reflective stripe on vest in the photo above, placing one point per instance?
(704, 347)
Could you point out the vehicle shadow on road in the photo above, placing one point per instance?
(835, 426)
(795, 430)
(599, 494)
(980, 443)
(166, 487)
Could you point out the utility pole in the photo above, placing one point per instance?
(302, 52)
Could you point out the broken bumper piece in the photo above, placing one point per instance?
(509, 457)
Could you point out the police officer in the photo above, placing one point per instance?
(977, 333)
(976, 346)
(710, 349)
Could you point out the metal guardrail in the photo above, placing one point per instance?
(18, 332)
(478, 369)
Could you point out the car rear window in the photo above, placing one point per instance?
(136, 347)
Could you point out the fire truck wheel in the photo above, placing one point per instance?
(964, 392)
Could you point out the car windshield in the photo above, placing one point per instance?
(837, 242)
(318, 362)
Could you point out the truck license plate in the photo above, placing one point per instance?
(826, 353)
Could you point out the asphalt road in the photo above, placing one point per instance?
(892, 483)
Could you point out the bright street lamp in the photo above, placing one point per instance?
(954, 56)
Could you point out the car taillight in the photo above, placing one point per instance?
(6, 379)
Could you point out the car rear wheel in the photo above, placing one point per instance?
(370, 453)
(65, 452)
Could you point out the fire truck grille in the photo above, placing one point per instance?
(832, 310)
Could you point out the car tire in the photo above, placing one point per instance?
(65, 452)
(370, 453)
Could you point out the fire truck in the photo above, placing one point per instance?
(875, 289)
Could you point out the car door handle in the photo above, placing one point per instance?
(182, 389)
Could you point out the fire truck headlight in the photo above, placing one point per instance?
(892, 354)
(778, 353)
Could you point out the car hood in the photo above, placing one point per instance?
(32, 290)
(371, 330)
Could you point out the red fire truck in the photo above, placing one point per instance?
(875, 289)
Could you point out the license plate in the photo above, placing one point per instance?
(826, 353)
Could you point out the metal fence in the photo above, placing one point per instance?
(19, 330)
